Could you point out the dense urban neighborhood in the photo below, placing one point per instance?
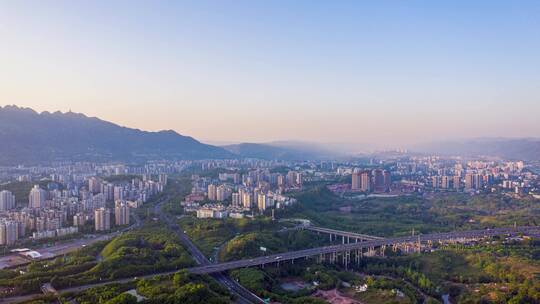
(359, 229)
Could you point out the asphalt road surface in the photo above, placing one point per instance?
(242, 294)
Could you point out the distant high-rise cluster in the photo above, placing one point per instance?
(367, 181)
(75, 195)
(475, 181)
(433, 173)
(234, 194)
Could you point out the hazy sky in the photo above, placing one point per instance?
(386, 72)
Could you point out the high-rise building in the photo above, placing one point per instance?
(456, 182)
(121, 213)
(291, 178)
(102, 218)
(365, 181)
(478, 181)
(212, 192)
(236, 200)
(162, 178)
(469, 181)
(299, 179)
(107, 190)
(9, 232)
(473, 181)
(222, 193)
(7, 200)
(356, 182)
(445, 182)
(281, 180)
(94, 185)
(118, 193)
(435, 181)
(246, 200)
(79, 219)
(261, 201)
(378, 180)
(237, 178)
(387, 180)
(37, 197)
(487, 179)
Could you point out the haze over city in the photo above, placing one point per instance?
(382, 73)
(256, 152)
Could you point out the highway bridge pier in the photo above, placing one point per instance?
(347, 251)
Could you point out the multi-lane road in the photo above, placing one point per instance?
(243, 295)
(286, 256)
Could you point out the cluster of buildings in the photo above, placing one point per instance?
(78, 196)
(376, 180)
(138, 190)
(477, 176)
(63, 209)
(434, 173)
(236, 195)
(103, 216)
(401, 174)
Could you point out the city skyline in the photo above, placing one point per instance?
(255, 151)
(375, 73)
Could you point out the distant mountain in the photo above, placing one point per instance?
(30, 137)
(281, 150)
(507, 148)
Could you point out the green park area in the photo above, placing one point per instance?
(498, 272)
(397, 216)
(148, 250)
(502, 271)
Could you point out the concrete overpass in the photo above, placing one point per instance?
(356, 249)
(344, 234)
(303, 224)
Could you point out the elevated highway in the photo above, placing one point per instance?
(343, 234)
(244, 295)
(358, 247)
(303, 224)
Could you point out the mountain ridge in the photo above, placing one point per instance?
(32, 137)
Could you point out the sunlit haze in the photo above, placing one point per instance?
(381, 72)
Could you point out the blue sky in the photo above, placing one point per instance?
(383, 72)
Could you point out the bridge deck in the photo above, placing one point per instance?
(361, 245)
(351, 235)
